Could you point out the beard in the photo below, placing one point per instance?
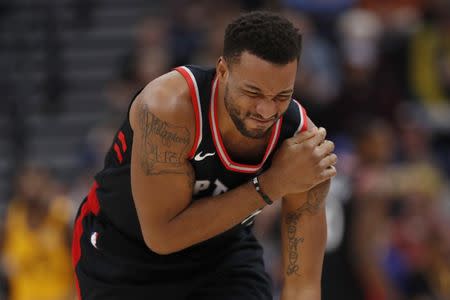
(238, 119)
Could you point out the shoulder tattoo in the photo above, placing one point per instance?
(163, 144)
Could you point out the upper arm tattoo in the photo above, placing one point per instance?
(163, 144)
(314, 202)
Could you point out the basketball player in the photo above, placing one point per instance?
(201, 152)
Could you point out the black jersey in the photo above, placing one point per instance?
(109, 254)
(215, 172)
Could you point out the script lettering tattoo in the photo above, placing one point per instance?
(312, 206)
(163, 144)
(293, 243)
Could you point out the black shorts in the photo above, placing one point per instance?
(111, 266)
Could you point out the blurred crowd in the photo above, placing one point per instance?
(374, 73)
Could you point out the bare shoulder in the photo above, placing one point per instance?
(167, 97)
(163, 112)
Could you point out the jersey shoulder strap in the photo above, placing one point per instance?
(294, 120)
(199, 80)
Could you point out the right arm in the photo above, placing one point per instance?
(162, 177)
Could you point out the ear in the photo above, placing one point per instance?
(222, 68)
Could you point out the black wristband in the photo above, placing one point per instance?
(266, 198)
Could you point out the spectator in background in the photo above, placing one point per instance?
(320, 7)
(429, 73)
(374, 149)
(185, 30)
(319, 77)
(211, 46)
(358, 41)
(147, 59)
(372, 76)
(36, 239)
(419, 213)
(324, 13)
(430, 56)
(396, 15)
(399, 248)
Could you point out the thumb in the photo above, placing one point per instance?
(303, 136)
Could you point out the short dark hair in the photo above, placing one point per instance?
(267, 35)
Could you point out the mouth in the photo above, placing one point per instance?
(262, 122)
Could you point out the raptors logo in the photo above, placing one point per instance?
(203, 185)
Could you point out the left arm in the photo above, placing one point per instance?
(304, 234)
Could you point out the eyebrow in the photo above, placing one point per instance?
(257, 89)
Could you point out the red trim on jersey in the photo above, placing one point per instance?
(305, 120)
(303, 123)
(91, 205)
(119, 155)
(122, 141)
(221, 150)
(190, 79)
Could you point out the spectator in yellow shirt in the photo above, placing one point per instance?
(36, 251)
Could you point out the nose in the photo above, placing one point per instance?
(266, 108)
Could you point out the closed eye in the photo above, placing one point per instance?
(255, 94)
(283, 98)
(252, 94)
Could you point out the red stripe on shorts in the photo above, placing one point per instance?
(91, 205)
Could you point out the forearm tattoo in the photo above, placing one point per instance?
(314, 202)
(163, 144)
